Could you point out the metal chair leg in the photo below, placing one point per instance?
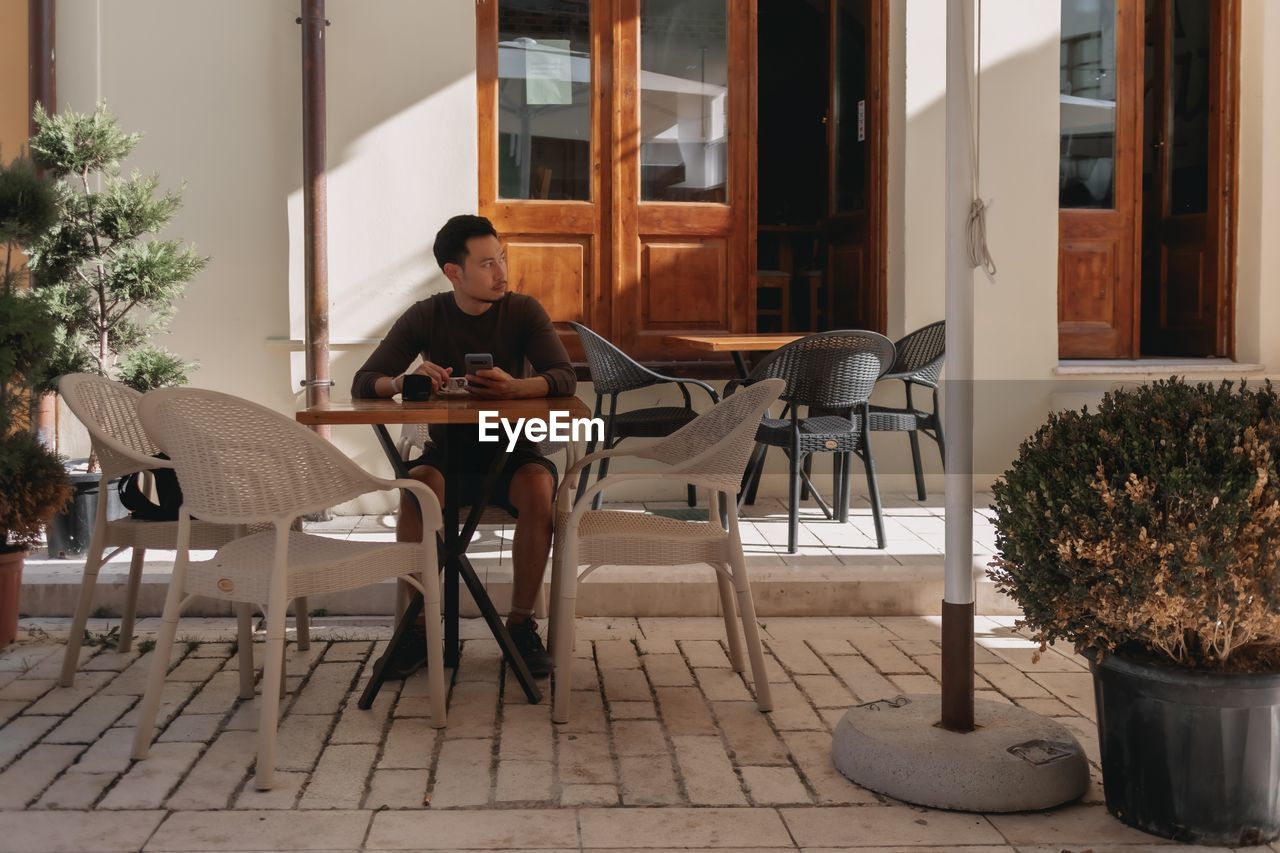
(793, 510)
(846, 484)
(915, 464)
(873, 489)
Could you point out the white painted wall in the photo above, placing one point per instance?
(216, 88)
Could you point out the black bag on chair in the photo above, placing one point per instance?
(139, 503)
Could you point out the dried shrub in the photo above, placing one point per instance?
(1150, 527)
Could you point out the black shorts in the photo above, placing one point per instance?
(469, 467)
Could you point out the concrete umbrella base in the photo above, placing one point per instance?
(1013, 761)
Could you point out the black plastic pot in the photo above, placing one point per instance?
(68, 532)
(1190, 755)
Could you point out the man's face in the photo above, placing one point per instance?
(483, 273)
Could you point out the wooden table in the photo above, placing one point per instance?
(735, 345)
(456, 411)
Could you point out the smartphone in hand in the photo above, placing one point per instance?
(475, 362)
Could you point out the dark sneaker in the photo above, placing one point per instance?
(529, 645)
(409, 657)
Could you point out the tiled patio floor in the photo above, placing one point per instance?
(666, 749)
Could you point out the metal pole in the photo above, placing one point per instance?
(957, 605)
(315, 205)
(42, 88)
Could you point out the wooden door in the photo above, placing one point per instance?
(682, 169)
(1185, 177)
(1099, 179)
(855, 136)
(543, 85)
(616, 160)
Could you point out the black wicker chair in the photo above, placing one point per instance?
(918, 362)
(613, 372)
(830, 372)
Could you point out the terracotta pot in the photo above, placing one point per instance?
(10, 592)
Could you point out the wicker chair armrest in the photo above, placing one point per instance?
(711, 392)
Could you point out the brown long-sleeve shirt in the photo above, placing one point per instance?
(516, 330)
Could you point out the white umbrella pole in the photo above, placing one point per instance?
(957, 606)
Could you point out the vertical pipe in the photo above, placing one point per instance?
(42, 89)
(315, 205)
(957, 608)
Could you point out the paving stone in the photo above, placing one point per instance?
(527, 733)
(586, 714)
(774, 786)
(27, 777)
(722, 685)
(633, 710)
(148, 782)
(473, 710)
(888, 825)
(193, 728)
(338, 652)
(20, 733)
(707, 772)
(657, 646)
(497, 829)
(916, 684)
(90, 720)
(10, 708)
(1073, 688)
(585, 675)
(824, 646)
(463, 773)
(687, 828)
(110, 754)
(588, 795)
(410, 744)
(325, 692)
(1075, 825)
(64, 700)
(218, 695)
(684, 711)
(616, 654)
(625, 685)
(648, 780)
(792, 710)
(825, 691)
(217, 773)
(52, 832)
(861, 677)
(639, 737)
(705, 654)
(811, 751)
(1047, 707)
(209, 650)
(886, 657)
(359, 726)
(339, 778)
(797, 657)
(46, 666)
(524, 781)
(173, 697)
(585, 760)
(26, 690)
(300, 739)
(397, 789)
(283, 795)
(667, 671)
(133, 681)
(748, 733)
(264, 830)
(195, 669)
(76, 791)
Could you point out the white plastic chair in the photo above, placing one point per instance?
(108, 411)
(711, 451)
(241, 463)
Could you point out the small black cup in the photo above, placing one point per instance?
(416, 387)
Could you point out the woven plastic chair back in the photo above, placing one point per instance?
(612, 370)
(715, 446)
(829, 370)
(920, 353)
(109, 411)
(239, 461)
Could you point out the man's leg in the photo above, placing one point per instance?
(530, 494)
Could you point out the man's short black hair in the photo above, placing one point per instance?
(451, 242)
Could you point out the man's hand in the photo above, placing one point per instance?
(494, 383)
(438, 375)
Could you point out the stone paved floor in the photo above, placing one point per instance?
(665, 750)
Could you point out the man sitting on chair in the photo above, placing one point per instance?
(481, 316)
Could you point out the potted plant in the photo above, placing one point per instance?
(106, 279)
(1147, 534)
(33, 484)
